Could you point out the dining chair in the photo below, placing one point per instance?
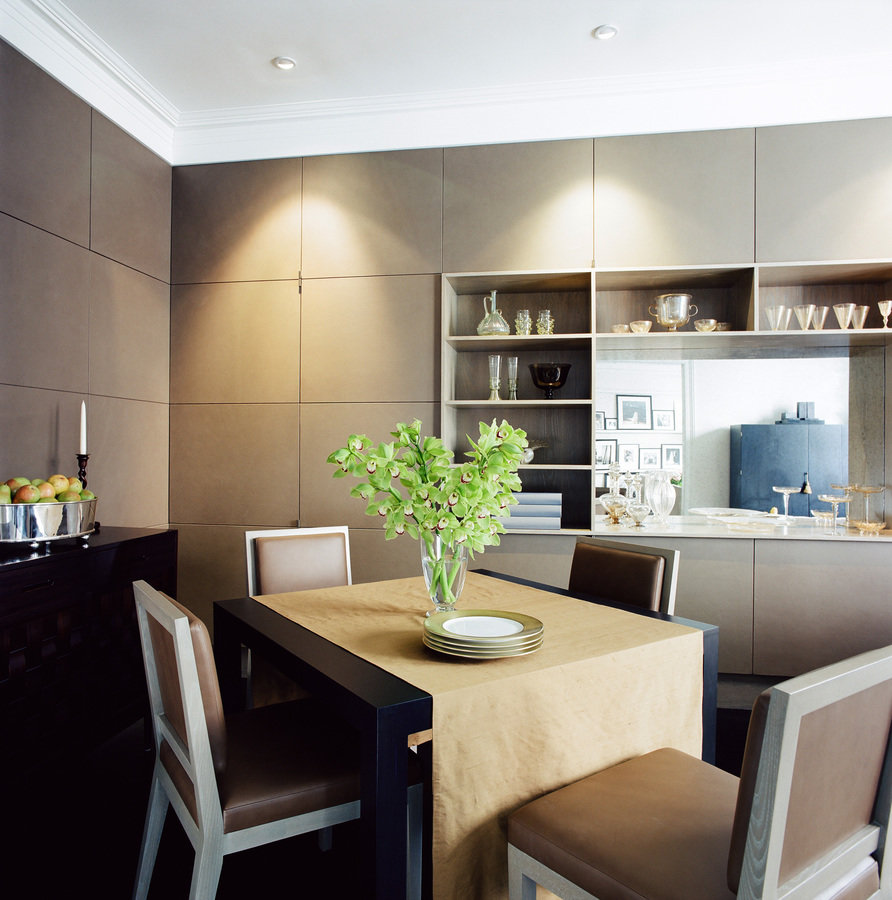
(239, 781)
(807, 818)
(280, 560)
(630, 573)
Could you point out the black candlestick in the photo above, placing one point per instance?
(82, 467)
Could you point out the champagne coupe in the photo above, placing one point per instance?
(835, 500)
(866, 490)
(885, 308)
(786, 491)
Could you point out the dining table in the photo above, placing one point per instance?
(607, 683)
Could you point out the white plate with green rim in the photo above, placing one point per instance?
(479, 653)
(482, 645)
(482, 625)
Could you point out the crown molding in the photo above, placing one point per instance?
(787, 93)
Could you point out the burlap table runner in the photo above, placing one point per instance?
(605, 686)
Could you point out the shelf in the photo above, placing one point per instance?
(541, 404)
(556, 467)
(519, 341)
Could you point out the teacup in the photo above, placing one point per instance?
(640, 326)
(705, 324)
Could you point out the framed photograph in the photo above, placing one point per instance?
(605, 453)
(671, 456)
(649, 457)
(628, 456)
(634, 411)
(600, 419)
(611, 424)
(664, 419)
(600, 479)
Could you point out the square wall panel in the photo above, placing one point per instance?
(372, 558)
(129, 332)
(235, 343)
(234, 464)
(518, 206)
(128, 468)
(675, 199)
(370, 339)
(236, 221)
(130, 209)
(40, 432)
(324, 428)
(45, 308)
(373, 213)
(44, 150)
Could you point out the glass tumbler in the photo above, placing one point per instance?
(522, 321)
(545, 323)
(859, 317)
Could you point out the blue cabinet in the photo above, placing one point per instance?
(766, 455)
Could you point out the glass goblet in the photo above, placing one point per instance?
(885, 307)
(835, 501)
(786, 491)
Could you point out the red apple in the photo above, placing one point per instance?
(27, 493)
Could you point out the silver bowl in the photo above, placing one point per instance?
(35, 522)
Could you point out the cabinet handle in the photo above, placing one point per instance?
(40, 585)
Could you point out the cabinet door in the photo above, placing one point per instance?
(827, 461)
(765, 456)
(823, 191)
(674, 199)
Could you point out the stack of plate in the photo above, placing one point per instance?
(482, 633)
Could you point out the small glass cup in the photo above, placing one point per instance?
(859, 317)
(819, 316)
(804, 315)
(522, 322)
(775, 316)
(495, 365)
(844, 313)
(545, 323)
(512, 377)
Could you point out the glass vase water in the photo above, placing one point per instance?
(445, 569)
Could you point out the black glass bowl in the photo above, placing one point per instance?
(549, 376)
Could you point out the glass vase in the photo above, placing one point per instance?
(444, 570)
(660, 494)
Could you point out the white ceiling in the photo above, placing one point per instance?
(192, 79)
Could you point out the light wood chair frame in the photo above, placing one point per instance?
(790, 701)
(206, 833)
(250, 536)
(671, 559)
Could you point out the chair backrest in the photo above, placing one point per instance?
(297, 559)
(815, 793)
(623, 572)
(184, 697)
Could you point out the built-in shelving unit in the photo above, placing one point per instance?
(586, 304)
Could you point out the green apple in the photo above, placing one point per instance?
(15, 483)
(68, 497)
(59, 483)
(47, 500)
(5, 493)
(87, 495)
(74, 484)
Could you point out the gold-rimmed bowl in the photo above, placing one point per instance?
(705, 324)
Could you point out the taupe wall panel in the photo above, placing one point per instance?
(40, 431)
(373, 213)
(372, 558)
(234, 464)
(44, 150)
(129, 332)
(235, 343)
(236, 221)
(675, 199)
(370, 339)
(210, 566)
(128, 441)
(130, 208)
(45, 291)
(518, 206)
(325, 427)
(824, 191)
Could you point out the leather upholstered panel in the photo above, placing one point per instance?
(300, 562)
(657, 826)
(623, 576)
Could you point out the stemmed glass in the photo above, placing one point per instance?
(786, 491)
(885, 308)
(512, 377)
(834, 500)
(495, 382)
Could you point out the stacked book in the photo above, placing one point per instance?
(534, 512)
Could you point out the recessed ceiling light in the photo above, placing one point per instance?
(604, 32)
(285, 63)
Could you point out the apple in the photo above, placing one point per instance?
(74, 484)
(5, 493)
(68, 497)
(87, 495)
(47, 491)
(27, 493)
(47, 500)
(15, 483)
(59, 483)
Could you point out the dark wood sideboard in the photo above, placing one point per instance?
(71, 671)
